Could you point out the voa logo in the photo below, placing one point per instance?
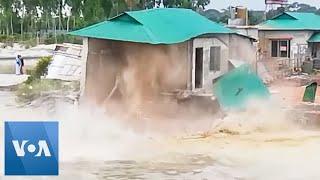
(31, 148)
(42, 148)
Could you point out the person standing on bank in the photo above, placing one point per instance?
(18, 65)
(22, 65)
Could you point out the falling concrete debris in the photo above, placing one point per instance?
(66, 63)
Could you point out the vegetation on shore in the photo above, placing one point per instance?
(36, 86)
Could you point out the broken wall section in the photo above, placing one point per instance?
(142, 71)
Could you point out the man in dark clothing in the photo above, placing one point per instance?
(22, 65)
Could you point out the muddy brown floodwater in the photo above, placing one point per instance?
(94, 146)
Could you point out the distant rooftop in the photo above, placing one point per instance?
(292, 21)
(154, 26)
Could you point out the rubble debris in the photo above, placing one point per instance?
(264, 73)
(66, 62)
(301, 79)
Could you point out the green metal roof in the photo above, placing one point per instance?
(154, 26)
(315, 38)
(292, 21)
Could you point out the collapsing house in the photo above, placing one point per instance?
(156, 51)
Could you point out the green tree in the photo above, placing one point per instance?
(76, 10)
(255, 17)
(93, 11)
(301, 7)
(8, 15)
(31, 13)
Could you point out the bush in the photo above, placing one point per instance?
(39, 70)
(50, 40)
(35, 86)
(3, 38)
(41, 67)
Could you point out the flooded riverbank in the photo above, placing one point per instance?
(95, 146)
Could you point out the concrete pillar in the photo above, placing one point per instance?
(84, 59)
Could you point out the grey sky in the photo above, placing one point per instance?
(252, 4)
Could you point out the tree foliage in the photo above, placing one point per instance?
(28, 18)
(31, 17)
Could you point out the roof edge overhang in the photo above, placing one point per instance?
(249, 37)
(162, 43)
(281, 38)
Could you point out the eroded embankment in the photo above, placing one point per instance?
(260, 143)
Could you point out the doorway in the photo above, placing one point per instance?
(199, 68)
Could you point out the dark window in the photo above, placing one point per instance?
(274, 49)
(199, 68)
(215, 58)
(280, 48)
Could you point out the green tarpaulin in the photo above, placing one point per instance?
(236, 88)
(310, 92)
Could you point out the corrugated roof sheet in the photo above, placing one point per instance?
(292, 21)
(154, 26)
(315, 38)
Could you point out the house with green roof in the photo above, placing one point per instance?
(290, 36)
(165, 50)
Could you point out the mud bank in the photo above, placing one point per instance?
(261, 143)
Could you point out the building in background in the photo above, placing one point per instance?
(289, 39)
(238, 16)
(239, 22)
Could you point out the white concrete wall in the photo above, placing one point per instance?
(208, 75)
(232, 47)
(298, 37)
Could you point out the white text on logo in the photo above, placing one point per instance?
(42, 144)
